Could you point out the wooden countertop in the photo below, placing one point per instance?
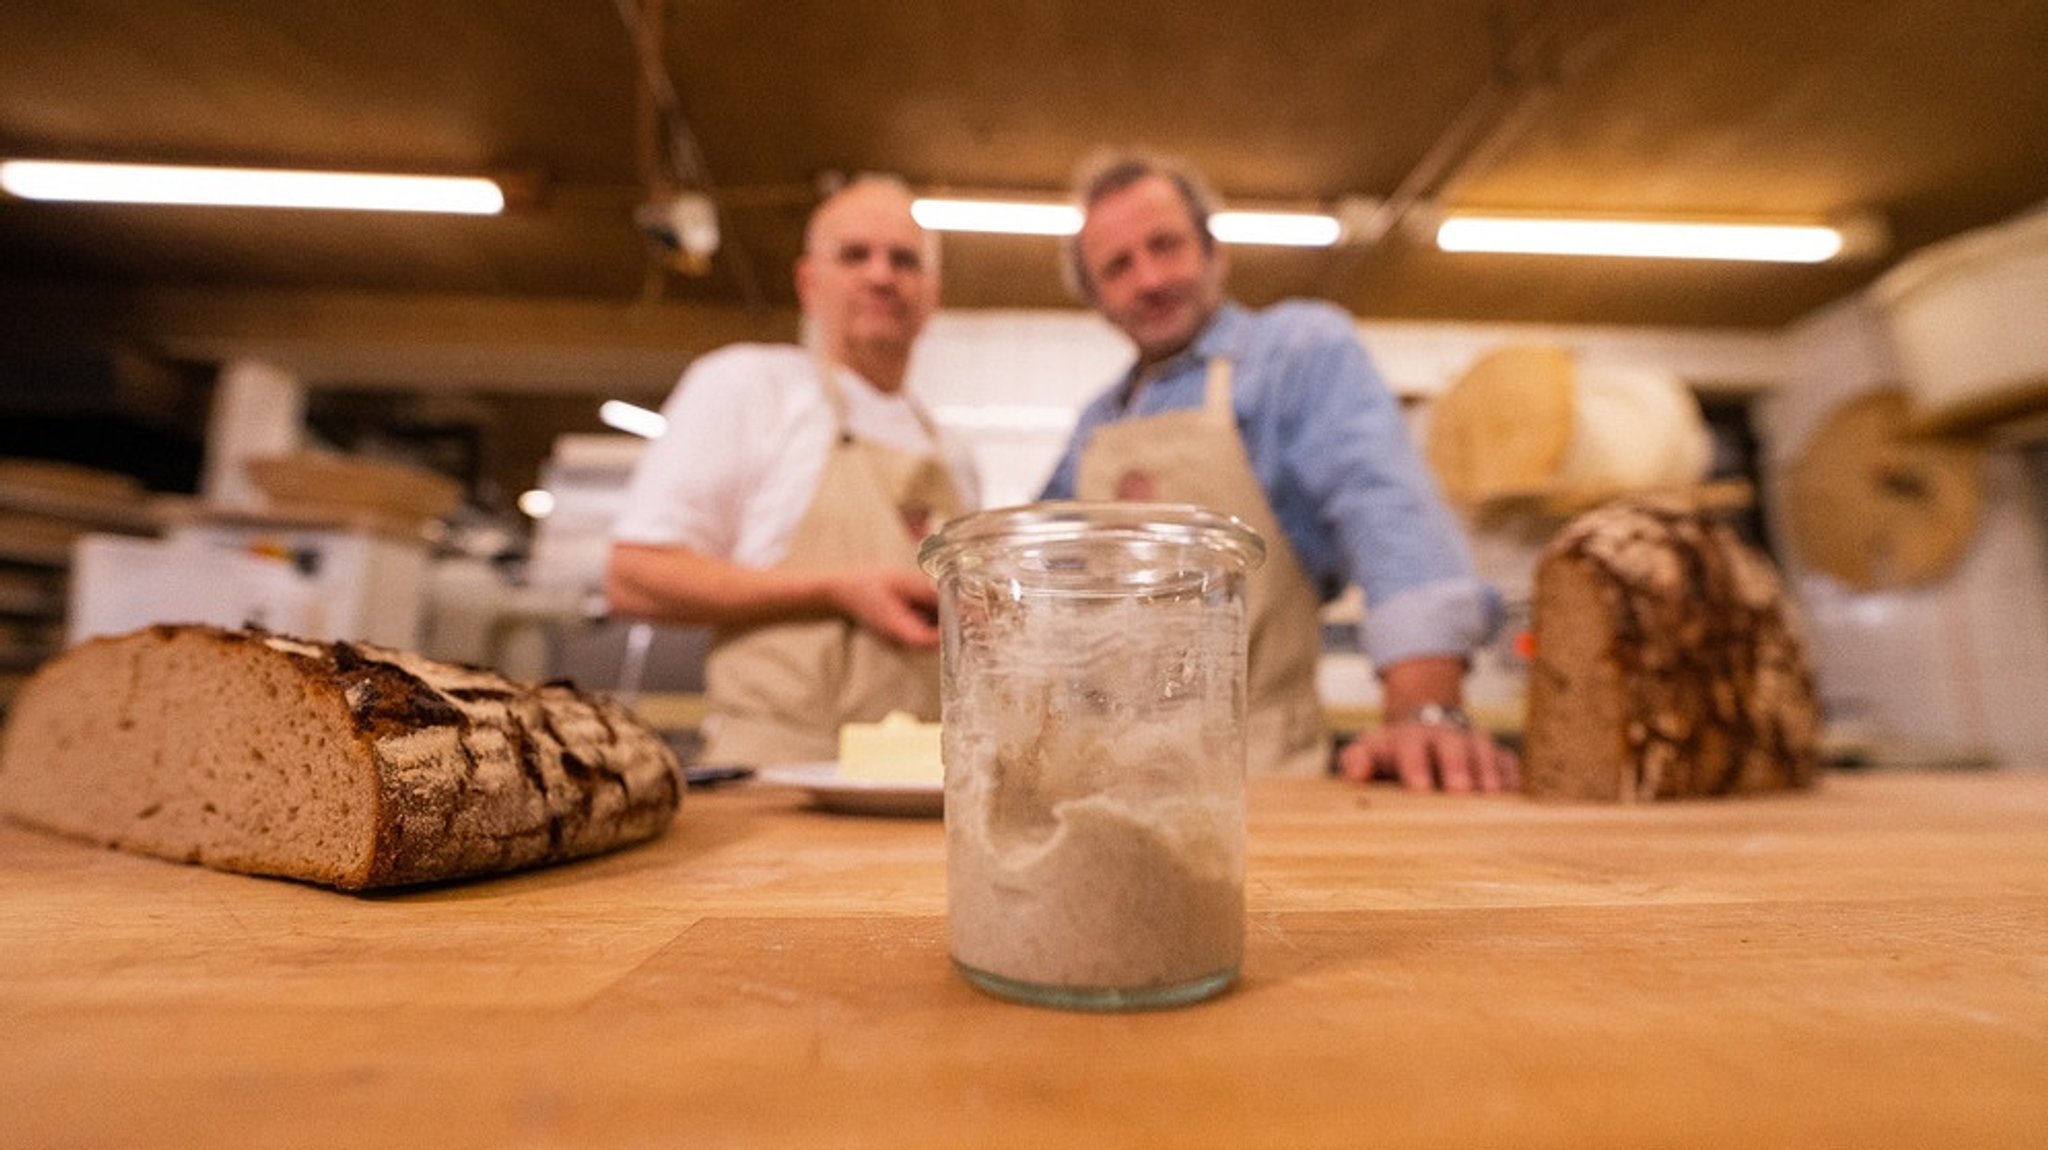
(1866, 965)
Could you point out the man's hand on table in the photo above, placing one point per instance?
(1426, 756)
(1428, 743)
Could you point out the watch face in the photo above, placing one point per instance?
(1438, 715)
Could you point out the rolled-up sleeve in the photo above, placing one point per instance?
(1447, 617)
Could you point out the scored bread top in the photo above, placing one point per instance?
(343, 763)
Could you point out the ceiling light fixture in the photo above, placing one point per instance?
(104, 183)
(1774, 243)
(537, 503)
(631, 418)
(1280, 229)
(1039, 218)
(998, 217)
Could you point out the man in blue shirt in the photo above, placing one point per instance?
(1280, 418)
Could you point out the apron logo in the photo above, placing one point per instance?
(1135, 485)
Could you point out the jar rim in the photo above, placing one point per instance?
(1049, 521)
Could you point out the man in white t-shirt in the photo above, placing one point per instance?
(785, 503)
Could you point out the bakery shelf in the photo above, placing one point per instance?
(35, 552)
(100, 513)
(35, 597)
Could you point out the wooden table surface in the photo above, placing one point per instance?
(1866, 965)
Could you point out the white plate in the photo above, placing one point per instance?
(835, 792)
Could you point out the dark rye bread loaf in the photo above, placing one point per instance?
(336, 763)
(1666, 664)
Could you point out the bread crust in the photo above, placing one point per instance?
(1667, 664)
(345, 764)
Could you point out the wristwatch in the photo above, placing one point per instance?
(1438, 715)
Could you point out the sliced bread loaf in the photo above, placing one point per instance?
(337, 763)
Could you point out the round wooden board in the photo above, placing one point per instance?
(1503, 427)
(1876, 506)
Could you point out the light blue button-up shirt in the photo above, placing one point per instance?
(1329, 445)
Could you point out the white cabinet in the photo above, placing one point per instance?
(313, 579)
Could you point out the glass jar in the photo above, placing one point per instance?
(1094, 741)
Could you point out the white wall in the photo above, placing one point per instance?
(1010, 383)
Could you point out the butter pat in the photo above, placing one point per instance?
(899, 749)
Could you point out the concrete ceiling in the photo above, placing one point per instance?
(1932, 114)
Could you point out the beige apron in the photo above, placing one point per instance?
(1196, 456)
(779, 692)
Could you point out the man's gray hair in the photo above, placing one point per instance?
(1104, 173)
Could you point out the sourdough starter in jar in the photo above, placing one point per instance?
(1094, 694)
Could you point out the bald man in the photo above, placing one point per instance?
(786, 501)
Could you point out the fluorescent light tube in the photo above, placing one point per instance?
(1776, 243)
(1003, 217)
(1027, 218)
(1284, 229)
(631, 418)
(248, 187)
